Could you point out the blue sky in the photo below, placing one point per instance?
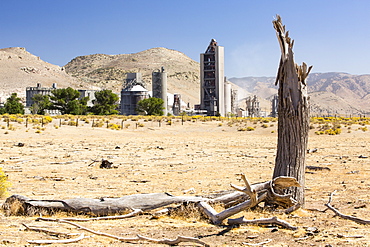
(333, 36)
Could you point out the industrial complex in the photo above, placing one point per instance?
(217, 97)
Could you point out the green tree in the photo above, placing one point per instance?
(13, 105)
(67, 101)
(41, 103)
(150, 106)
(105, 103)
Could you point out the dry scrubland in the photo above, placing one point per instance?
(200, 157)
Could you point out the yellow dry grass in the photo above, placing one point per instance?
(197, 157)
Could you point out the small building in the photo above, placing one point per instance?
(88, 93)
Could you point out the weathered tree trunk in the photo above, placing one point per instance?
(293, 115)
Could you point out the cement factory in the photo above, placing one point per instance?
(217, 98)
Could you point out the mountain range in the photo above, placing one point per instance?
(330, 93)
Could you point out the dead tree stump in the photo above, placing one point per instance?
(293, 115)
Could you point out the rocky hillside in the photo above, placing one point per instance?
(330, 93)
(20, 69)
(109, 71)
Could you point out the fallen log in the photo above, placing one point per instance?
(247, 197)
(21, 205)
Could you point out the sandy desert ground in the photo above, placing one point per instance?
(196, 158)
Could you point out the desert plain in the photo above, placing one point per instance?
(60, 161)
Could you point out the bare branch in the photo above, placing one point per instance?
(259, 244)
(115, 217)
(348, 217)
(179, 239)
(37, 229)
(63, 241)
(273, 220)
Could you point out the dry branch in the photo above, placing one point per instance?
(115, 217)
(55, 233)
(272, 220)
(258, 244)
(178, 240)
(63, 241)
(251, 191)
(348, 217)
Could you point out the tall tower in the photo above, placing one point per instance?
(212, 80)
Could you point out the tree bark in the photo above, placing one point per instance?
(293, 115)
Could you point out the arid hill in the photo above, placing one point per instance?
(330, 93)
(109, 71)
(20, 69)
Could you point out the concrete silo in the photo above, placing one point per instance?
(228, 97)
(159, 87)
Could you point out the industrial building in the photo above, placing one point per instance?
(253, 106)
(212, 97)
(32, 91)
(132, 92)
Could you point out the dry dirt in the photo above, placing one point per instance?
(205, 156)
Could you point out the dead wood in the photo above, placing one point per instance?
(115, 217)
(266, 193)
(178, 240)
(348, 217)
(63, 241)
(106, 164)
(293, 114)
(258, 244)
(21, 205)
(268, 221)
(53, 233)
(317, 168)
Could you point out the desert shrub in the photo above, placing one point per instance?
(250, 129)
(19, 120)
(127, 125)
(98, 124)
(141, 124)
(72, 123)
(11, 127)
(4, 184)
(47, 119)
(114, 126)
(333, 131)
(242, 129)
(264, 126)
(219, 124)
